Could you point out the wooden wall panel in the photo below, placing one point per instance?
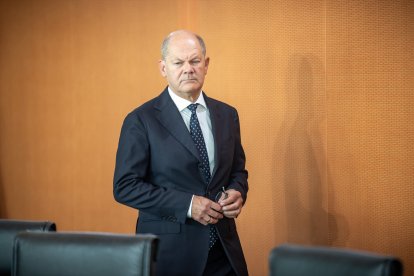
(323, 88)
(275, 77)
(369, 129)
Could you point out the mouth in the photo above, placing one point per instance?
(189, 80)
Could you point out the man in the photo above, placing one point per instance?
(180, 162)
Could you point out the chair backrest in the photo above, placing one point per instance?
(8, 230)
(82, 253)
(296, 260)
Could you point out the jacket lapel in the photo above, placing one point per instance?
(217, 129)
(171, 119)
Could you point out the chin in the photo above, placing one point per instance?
(191, 88)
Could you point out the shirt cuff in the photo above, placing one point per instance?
(189, 209)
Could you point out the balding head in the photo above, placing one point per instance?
(181, 34)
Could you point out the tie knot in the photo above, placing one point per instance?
(193, 108)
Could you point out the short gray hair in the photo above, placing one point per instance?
(166, 42)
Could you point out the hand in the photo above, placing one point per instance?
(233, 204)
(205, 211)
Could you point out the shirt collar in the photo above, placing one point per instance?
(182, 103)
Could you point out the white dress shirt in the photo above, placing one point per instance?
(203, 116)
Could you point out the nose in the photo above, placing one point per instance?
(188, 68)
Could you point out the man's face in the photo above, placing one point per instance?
(184, 66)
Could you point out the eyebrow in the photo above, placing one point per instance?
(195, 56)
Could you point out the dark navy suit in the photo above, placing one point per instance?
(158, 170)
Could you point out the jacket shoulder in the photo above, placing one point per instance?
(148, 106)
(221, 105)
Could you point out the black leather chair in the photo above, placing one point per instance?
(8, 230)
(296, 260)
(83, 254)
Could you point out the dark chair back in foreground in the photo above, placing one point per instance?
(296, 260)
(8, 231)
(83, 254)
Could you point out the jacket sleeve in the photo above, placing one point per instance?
(131, 186)
(239, 174)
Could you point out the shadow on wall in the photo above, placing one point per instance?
(301, 165)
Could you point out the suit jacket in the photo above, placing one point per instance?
(158, 170)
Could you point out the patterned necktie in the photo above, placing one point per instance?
(198, 138)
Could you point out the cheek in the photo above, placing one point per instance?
(175, 74)
(201, 71)
(171, 74)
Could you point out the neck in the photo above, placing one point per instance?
(190, 96)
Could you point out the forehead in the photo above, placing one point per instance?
(184, 47)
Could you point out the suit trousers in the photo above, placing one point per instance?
(217, 263)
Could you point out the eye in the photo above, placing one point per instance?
(196, 61)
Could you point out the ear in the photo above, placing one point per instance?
(161, 66)
(206, 63)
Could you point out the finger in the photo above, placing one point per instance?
(233, 197)
(215, 210)
(205, 220)
(232, 214)
(233, 206)
(215, 215)
(215, 206)
(201, 220)
(200, 207)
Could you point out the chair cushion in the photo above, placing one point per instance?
(296, 260)
(8, 230)
(80, 253)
